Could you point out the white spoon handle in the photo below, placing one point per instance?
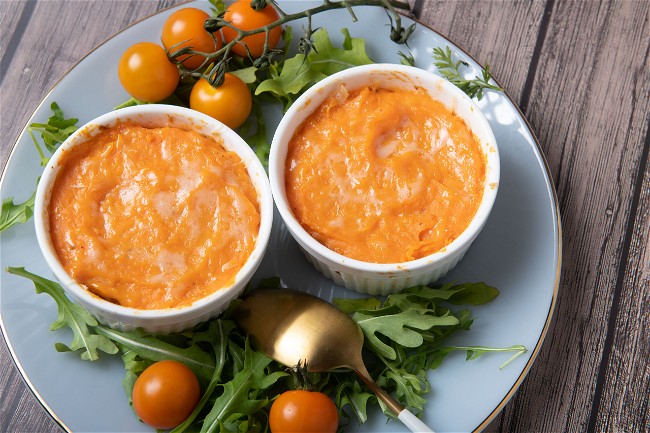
(413, 422)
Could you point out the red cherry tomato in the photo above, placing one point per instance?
(230, 103)
(303, 411)
(184, 28)
(244, 17)
(165, 394)
(146, 73)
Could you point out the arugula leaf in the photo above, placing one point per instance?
(155, 349)
(301, 71)
(456, 294)
(335, 59)
(217, 335)
(409, 388)
(241, 395)
(398, 326)
(134, 365)
(350, 305)
(80, 322)
(472, 294)
(350, 394)
(473, 352)
(54, 132)
(13, 214)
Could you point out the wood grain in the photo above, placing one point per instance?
(624, 385)
(580, 70)
(594, 154)
(15, 17)
(501, 34)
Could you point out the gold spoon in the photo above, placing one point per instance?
(292, 326)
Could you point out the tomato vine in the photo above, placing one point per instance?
(214, 66)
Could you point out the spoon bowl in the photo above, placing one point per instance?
(294, 327)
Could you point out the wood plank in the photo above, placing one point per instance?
(624, 379)
(14, 396)
(27, 78)
(592, 125)
(14, 16)
(500, 33)
(624, 385)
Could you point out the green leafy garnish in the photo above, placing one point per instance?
(402, 327)
(406, 59)
(153, 349)
(217, 336)
(217, 7)
(451, 71)
(290, 78)
(242, 395)
(247, 75)
(53, 133)
(404, 335)
(474, 352)
(16, 213)
(352, 396)
(70, 315)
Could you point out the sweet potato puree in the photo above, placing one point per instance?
(384, 175)
(153, 218)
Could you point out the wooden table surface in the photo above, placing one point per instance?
(580, 72)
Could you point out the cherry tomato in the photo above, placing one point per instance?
(303, 411)
(184, 28)
(146, 73)
(244, 17)
(229, 103)
(165, 394)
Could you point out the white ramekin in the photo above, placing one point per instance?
(363, 276)
(160, 321)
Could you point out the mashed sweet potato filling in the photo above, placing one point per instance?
(384, 175)
(153, 217)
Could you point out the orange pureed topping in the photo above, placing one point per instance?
(153, 218)
(384, 175)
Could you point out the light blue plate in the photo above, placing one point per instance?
(519, 251)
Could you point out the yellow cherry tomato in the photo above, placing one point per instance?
(241, 15)
(146, 73)
(303, 411)
(230, 103)
(165, 394)
(184, 28)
